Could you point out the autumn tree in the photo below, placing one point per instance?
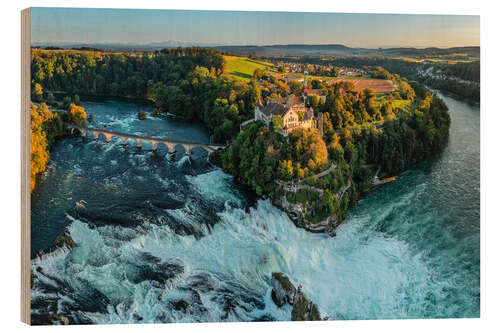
(38, 92)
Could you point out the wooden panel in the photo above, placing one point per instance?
(25, 166)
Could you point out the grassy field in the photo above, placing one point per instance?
(242, 68)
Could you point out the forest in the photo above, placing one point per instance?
(183, 81)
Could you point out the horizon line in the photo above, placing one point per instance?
(201, 44)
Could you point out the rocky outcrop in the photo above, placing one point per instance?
(61, 245)
(285, 292)
(64, 240)
(304, 309)
(33, 277)
(51, 319)
(327, 226)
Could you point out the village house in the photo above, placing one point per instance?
(292, 110)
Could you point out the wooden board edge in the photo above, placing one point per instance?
(25, 167)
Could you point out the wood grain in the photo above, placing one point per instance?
(25, 167)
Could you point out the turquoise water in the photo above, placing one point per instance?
(168, 239)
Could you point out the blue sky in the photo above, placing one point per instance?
(82, 25)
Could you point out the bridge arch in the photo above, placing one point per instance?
(172, 146)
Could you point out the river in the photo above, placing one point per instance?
(169, 239)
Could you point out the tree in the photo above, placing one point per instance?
(296, 87)
(66, 102)
(317, 84)
(38, 92)
(312, 100)
(45, 127)
(282, 88)
(77, 115)
(258, 73)
(277, 122)
(285, 169)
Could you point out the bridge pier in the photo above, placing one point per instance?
(95, 135)
(124, 140)
(155, 145)
(187, 149)
(138, 143)
(171, 148)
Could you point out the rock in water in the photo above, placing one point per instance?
(304, 309)
(64, 240)
(283, 289)
(279, 301)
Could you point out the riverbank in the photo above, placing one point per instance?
(59, 95)
(46, 129)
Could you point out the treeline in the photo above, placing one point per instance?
(118, 74)
(182, 81)
(469, 71)
(470, 91)
(46, 126)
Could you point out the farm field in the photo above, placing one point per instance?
(243, 68)
(376, 85)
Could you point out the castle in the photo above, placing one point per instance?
(292, 110)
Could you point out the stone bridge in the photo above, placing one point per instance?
(170, 144)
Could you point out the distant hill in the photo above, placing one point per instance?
(472, 51)
(289, 49)
(280, 49)
(342, 50)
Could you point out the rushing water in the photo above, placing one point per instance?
(170, 239)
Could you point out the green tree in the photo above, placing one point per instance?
(277, 122)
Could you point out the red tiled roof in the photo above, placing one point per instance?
(294, 100)
(274, 109)
(276, 76)
(281, 100)
(293, 78)
(319, 92)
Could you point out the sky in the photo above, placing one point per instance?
(133, 26)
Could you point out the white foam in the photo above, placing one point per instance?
(349, 277)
